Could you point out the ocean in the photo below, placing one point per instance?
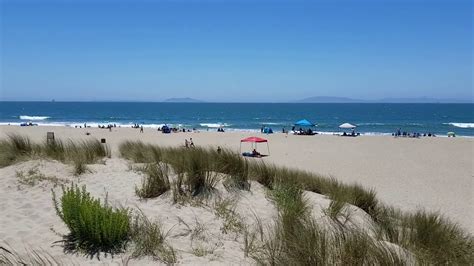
(371, 119)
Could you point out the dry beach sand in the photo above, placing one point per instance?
(431, 173)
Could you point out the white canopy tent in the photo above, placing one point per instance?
(347, 126)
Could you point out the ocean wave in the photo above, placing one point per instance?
(371, 124)
(461, 125)
(28, 117)
(214, 125)
(272, 123)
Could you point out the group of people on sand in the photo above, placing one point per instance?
(302, 131)
(405, 134)
(188, 143)
(175, 129)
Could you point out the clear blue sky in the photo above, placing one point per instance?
(238, 51)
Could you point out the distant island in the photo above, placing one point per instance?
(182, 100)
(330, 99)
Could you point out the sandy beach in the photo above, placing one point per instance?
(434, 174)
(431, 173)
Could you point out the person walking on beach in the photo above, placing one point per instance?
(186, 143)
(191, 143)
(141, 129)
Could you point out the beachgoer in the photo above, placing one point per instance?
(219, 150)
(191, 143)
(186, 143)
(255, 153)
(141, 129)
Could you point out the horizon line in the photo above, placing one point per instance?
(239, 102)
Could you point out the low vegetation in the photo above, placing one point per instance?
(155, 182)
(33, 176)
(294, 238)
(297, 239)
(17, 148)
(430, 238)
(94, 226)
(149, 240)
(10, 256)
(232, 222)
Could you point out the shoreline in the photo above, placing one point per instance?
(227, 128)
(409, 173)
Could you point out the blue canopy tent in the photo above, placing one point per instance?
(304, 123)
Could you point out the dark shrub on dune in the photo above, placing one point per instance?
(94, 226)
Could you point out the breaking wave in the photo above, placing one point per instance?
(461, 125)
(28, 117)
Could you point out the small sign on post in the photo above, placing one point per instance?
(49, 137)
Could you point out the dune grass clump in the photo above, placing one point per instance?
(234, 166)
(94, 227)
(263, 173)
(297, 239)
(433, 239)
(10, 256)
(149, 240)
(155, 182)
(16, 148)
(199, 176)
(139, 152)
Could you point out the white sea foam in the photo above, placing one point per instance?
(371, 124)
(272, 123)
(461, 125)
(214, 125)
(28, 117)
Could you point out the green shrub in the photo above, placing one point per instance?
(94, 227)
(155, 182)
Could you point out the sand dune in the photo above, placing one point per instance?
(435, 174)
(431, 173)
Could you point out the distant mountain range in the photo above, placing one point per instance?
(182, 100)
(329, 99)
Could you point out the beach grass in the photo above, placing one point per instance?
(94, 226)
(10, 256)
(17, 148)
(150, 240)
(420, 233)
(155, 182)
(297, 239)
